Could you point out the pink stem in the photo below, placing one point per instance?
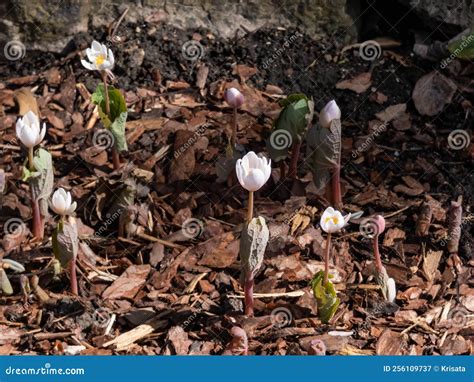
(378, 260)
(73, 276)
(336, 188)
(38, 223)
(295, 153)
(248, 289)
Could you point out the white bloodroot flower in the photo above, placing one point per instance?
(234, 97)
(328, 113)
(332, 220)
(253, 171)
(391, 290)
(28, 130)
(61, 202)
(99, 56)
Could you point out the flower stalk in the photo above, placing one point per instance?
(30, 133)
(115, 153)
(248, 291)
(295, 153)
(65, 236)
(250, 207)
(327, 251)
(252, 172)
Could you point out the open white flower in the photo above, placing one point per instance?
(100, 58)
(28, 130)
(234, 97)
(332, 220)
(328, 113)
(391, 290)
(253, 171)
(61, 202)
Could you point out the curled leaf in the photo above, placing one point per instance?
(326, 297)
(65, 241)
(290, 126)
(41, 179)
(117, 119)
(324, 151)
(253, 243)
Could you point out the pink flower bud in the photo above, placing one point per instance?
(328, 113)
(234, 97)
(380, 224)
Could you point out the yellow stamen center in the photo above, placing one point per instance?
(335, 220)
(99, 59)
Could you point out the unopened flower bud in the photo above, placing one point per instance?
(234, 97)
(328, 113)
(380, 224)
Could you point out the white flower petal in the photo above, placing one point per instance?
(28, 136)
(96, 46)
(391, 290)
(71, 208)
(240, 172)
(253, 160)
(59, 202)
(254, 180)
(88, 65)
(111, 58)
(42, 133)
(68, 199)
(91, 55)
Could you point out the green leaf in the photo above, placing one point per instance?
(290, 126)
(253, 243)
(65, 241)
(326, 297)
(118, 113)
(463, 48)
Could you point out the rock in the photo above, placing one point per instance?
(432, 93)
(50, 25)
(436, 12)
